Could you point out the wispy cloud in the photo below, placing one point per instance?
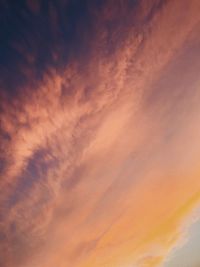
(99, 131)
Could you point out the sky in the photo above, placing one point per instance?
(188, 253)
(99, 133)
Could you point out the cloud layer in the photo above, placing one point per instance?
(99, 131)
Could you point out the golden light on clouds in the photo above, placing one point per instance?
(99, 130)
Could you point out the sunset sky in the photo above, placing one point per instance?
(100, 133)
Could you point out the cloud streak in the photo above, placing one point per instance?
(99, 131)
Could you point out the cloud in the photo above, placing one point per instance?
(97, 102)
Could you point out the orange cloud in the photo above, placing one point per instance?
(100, 156)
